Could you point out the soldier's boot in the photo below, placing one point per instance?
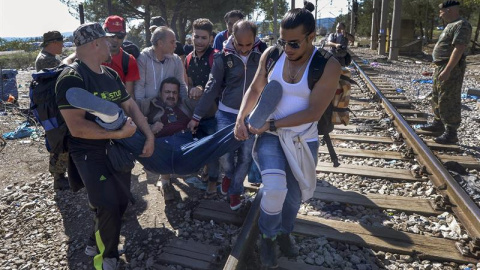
(448, 137)
(287, 245)
(60, 182)
(435, 126)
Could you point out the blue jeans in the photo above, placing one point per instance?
(208, 127)
(236, 171)
(269, 155)
(179, 153)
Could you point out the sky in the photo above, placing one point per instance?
(31, 18)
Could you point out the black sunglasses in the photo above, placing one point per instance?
(120, 35)
(293, 44)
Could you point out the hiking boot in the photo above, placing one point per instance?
(110, 264)
(225, 185)
(60, 182)
(268, 252)
(287, 245)
(235, 202)
(168, 192)
(448, 137)
(435, 126)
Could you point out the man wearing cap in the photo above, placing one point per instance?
(449, 59)
(122, 62)
(52, 45)
(160, 21)
(108, 190)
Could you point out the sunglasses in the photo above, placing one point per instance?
(293, 44)
(119, 36)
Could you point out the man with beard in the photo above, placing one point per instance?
(286, 146)
(122, 62)
(198, 65)
(232, 72)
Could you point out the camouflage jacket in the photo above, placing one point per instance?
(46, 60)
(457, 32)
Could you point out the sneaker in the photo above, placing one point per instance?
(110, 263)
(168, 192)
(271, 96)
(287, 245)
(60, 182)
(268, 252)
(235, 202)
(91, 251)
(225, 185)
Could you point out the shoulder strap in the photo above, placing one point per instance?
(272, 58)
(317, 66)
(188, 59)
(125, 62)
(210, 57)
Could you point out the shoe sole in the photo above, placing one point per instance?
(80, 98)
(271, 96)
(236, 207)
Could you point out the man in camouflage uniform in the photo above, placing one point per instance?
(52, 45)
(449, 59)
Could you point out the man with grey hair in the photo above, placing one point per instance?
(108, 190)
(155, 64)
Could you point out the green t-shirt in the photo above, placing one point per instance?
(457, 32)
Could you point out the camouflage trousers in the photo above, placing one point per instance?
(446, 95)
(58, 163)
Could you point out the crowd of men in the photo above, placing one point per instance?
(166, 93)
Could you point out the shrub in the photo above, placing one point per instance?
(18, 60)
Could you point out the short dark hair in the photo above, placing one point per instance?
(170, 80)
(233, 13)
(241, 25)
(300, 16)
(342, 24)
(203, 24)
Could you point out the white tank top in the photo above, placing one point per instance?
(295, 96)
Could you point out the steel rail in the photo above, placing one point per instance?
(463, 205)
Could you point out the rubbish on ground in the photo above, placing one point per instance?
(400, 90)
(22, 131)
(196, 182)
(466, 96)
(427, 73)
(374, 64)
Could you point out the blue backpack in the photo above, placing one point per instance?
(44, 107)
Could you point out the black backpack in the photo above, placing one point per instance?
(43, 104)
(131, 48)
(315, 71)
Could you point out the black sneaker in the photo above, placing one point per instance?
(60, 182)
(287, 245)
(268, 252)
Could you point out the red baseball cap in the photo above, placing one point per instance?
(114, 24)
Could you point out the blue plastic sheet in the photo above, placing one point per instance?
(465, 96)
(22, 131)
(423, 81)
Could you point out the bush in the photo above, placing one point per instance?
(20, 60)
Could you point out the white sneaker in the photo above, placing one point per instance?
(91, 251)
(110, 264)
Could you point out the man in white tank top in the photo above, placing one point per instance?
(286, 146)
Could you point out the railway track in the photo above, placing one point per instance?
(391, 198)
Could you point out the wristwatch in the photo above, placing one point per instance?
(272, 126)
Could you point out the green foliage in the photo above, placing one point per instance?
(20, 60)
(17, 44)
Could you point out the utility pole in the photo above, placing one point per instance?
(383, 27)
(292, 5)
(275, 27)
(81, 14)
(395, 35)
(316, 10)
(353, 17)
(375, 24)
(109, 6)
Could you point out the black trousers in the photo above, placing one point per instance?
(108, 194)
